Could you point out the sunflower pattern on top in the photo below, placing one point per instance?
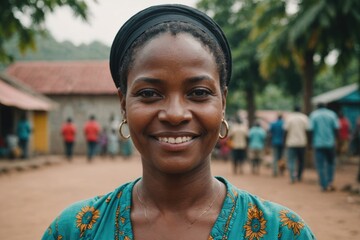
(255, 224)
(86, 218)
(292, 221)
(243, 216)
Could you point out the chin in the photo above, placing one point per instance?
(178, 166)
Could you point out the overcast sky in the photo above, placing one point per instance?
(107, 16)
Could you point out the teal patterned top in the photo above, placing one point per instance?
(243, 216)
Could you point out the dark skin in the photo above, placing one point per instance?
(174, 95)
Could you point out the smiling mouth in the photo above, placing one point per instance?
(174, 140)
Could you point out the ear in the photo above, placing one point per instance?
(122, 99)
(224, 94)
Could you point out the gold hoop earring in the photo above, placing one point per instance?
(224, 122)
(124, 121)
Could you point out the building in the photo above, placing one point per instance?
(17, 99)
(345, 99)
(80, 88)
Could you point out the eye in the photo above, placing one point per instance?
(148, 93)
(200, 93)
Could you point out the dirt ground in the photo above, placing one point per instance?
(31, 199)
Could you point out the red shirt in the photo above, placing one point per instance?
(344, 129)
(91, 131)
(68, 131)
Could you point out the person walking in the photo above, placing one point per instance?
(344, 138)
(296, 126)
(257, 136)
(238, 138)
(23, 133)
(276, 134)
(68, 132)
(323, 128)
(91, 131)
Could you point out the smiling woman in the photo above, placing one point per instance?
(172, 65)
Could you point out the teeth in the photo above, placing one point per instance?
(174, 140)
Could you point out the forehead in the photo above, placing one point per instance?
(167, 48)
(173, 59)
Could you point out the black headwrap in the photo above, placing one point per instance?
(154, 15)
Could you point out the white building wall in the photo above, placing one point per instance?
(79, 108)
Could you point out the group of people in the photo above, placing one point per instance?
(100, 140)
(324, 132)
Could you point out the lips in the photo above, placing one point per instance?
(175, 140)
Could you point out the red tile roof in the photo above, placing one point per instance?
(65, 77)
(16, 96)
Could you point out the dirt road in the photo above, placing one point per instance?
(30, 200)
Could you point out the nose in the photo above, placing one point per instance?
(175, 111)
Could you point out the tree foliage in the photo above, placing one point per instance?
(233, 16)
(50, 50)
(25, 19)
(307, 37)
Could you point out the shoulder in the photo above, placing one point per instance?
(272, 219)
(69, 224)
(83, 217)
(304, 116)
(314, 114)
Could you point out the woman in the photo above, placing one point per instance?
(172, 65)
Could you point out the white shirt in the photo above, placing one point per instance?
(238, 135)
(296, 125)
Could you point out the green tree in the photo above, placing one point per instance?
(25, 19)
(307, 36)
(233, 16)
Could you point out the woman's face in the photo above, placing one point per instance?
(174, 104)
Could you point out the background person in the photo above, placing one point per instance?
(12, 143)
(356, 144)
(276, 134)
(23, 133)
(257, 138)
(324, 126)
(91, 131)
(68, 131)
(296, 126)
(113, 143)
(174, 121)
(103, 141)
(343, 138)
(238, 136)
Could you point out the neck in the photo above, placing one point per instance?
(177, 192)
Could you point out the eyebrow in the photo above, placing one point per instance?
(201, 78)
(191, 80)
(148, 80)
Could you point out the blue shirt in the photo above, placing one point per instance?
(23, 130)
(277, 133)
(323, 124)
(243, 216)
(257, 137)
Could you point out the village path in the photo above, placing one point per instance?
(30, 200)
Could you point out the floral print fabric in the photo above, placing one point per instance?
(243, 216)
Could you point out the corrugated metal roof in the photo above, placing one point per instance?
(65, 77)
(335, 94)
(15, 97)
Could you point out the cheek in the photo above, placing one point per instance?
(210, 118)
(138, 116)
